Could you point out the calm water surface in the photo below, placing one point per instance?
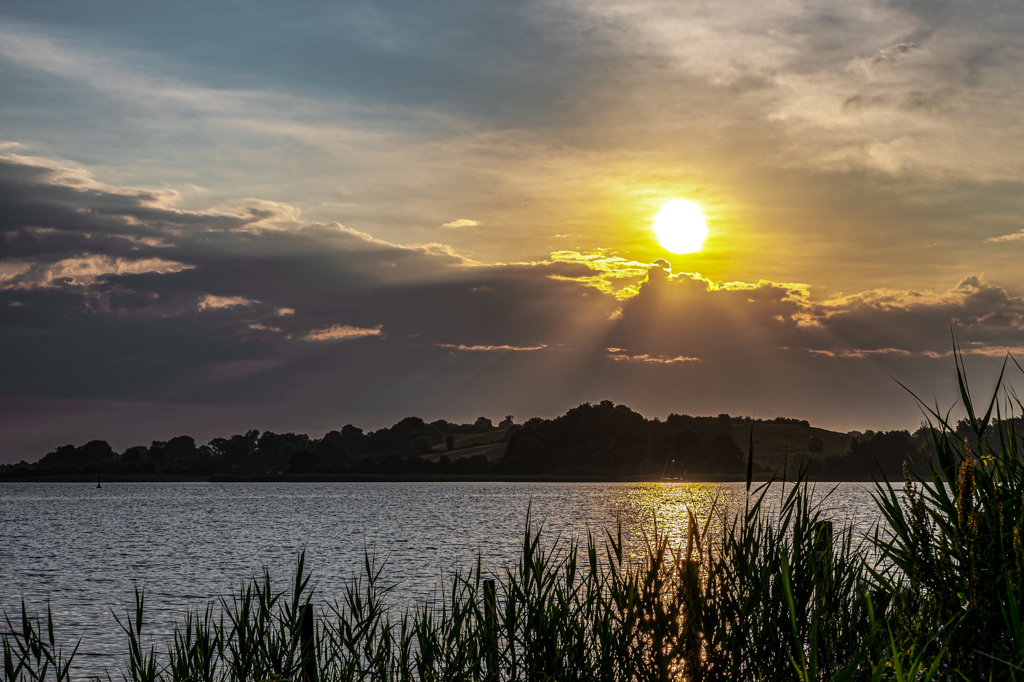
(83, 550)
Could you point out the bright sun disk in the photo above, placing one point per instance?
(681, 227)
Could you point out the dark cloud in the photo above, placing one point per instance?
(117, 308)
(688, 315)
(229, 312)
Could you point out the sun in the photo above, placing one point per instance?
(681, 227)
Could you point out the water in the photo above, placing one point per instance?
(83, 550)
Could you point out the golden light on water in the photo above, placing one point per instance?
(681, 227)
(663, 509)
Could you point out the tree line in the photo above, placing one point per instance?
(590, 440)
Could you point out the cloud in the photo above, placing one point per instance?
(209, 301)
(79, 272)
(644, 357)
(263, 328)
(490, 348)
(614, 275)
(339, 332)
(790, 115)
(893, 52)
(64, 175)
(870, 148)
(864, 353)
(116, 325)
(1012, 237)
(768, 315)
(260, 214)
(461, 222)
(936, 88)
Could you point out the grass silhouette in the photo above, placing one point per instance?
(934, 593)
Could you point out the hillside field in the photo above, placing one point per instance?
(771, 442)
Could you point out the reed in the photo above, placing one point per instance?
(762, 600)
(934, 593)
(950, 544)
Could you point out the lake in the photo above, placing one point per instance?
(82, 550)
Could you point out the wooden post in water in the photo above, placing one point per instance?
(823, 559)
(491, 630)
(307, 643)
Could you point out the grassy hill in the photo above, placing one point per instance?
(469, 440)
(771, 442)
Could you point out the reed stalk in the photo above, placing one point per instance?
(934, 593)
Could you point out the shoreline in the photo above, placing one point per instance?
(380, 478)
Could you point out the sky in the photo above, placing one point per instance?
(222, 216)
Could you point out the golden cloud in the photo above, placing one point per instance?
(617, 355)
(460, 346)
(263, 327)
(1012, 237)
(340, 332)
(79, 271)
(211, 301)
(614, 275)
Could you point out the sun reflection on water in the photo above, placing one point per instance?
(646, 510)
(663, 509)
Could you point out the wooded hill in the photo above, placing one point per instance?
(615, 441)
(601, 440)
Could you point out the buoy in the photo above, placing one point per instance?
(98, 484)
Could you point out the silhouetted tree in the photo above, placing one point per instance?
(442, 426)
(420, 445)
(721, 454)
(601, 439)
(706, 428)
(65, 454)
(303, 462)
(95, 452)
(133, 459)
(238, 448)
(98, 451)
(274, 449)
(332, 450)
(354, 440)
(872, 452)
(181, 448)
(686, 453)
(399, 436)
(134, 455)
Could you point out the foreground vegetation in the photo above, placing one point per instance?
(935, 593)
